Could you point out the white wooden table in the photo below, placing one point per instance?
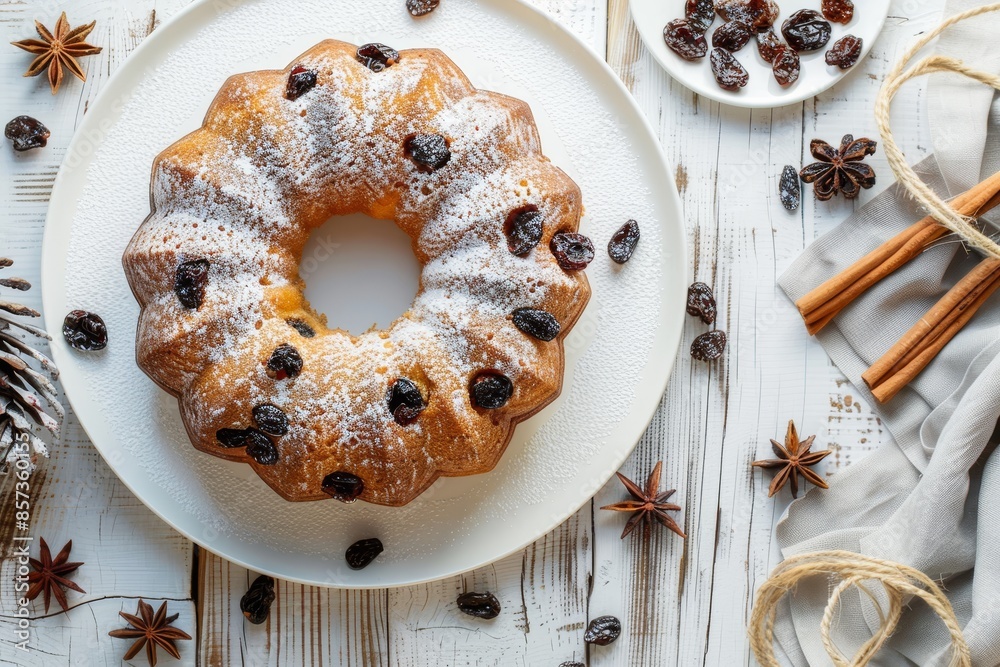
(681, 602)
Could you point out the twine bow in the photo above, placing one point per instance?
(964, 226)
(900, 583)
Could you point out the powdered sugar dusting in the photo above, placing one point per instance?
(607, 351)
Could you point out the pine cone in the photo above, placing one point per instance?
(26, 395)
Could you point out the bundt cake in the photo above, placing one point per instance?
(259, 375)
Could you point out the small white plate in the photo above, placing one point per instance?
(619, 354)
(762, 91)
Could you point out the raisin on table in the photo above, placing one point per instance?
(732, 36)
(838, 11)
(480, 605)
(701, 301)
(845, 52)
(256, 602)
(684, 40)
(789, 188)
(603, 631)
(805, 30)
(27, 133)
(786, 66)
(728, 71)
(709, 346)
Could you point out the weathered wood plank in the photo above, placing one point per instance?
(307, 625)
(688, 603)
(128, 551)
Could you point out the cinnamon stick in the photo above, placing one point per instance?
(822, 304)
(918, 347)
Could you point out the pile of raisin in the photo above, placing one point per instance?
(701, 304)
(803, 31)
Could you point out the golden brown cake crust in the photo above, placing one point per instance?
(243, 194)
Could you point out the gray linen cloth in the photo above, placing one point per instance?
(930, 498)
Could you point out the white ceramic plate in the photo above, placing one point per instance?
(619, 354)
(762, 91)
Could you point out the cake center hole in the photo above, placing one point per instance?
(359, 271)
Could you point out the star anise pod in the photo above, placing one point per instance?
(150, 630)
(840, 170)
(794, 459)
(49, 575)
(58, 49)
(648, 505)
